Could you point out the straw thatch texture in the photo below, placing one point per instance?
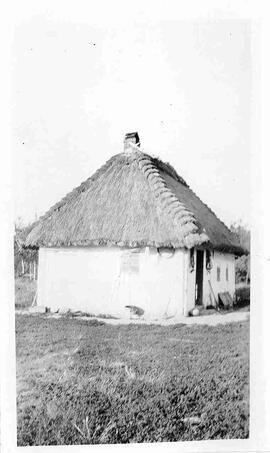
(134, 200)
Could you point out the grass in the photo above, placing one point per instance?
(83, 382)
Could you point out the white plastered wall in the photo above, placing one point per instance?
(223, 261)
(103, 280)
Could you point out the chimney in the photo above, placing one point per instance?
(132, 137)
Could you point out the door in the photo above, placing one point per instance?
(199, 278)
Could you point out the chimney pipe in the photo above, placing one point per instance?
(132, 137)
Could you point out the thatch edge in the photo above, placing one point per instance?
(238, 249)
(137, 244)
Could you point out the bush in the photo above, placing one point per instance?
(242, 296)
(242, 269)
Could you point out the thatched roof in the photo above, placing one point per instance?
(133, 200)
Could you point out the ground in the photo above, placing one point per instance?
(84, 381)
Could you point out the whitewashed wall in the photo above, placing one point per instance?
(104, 280)
(223, 261)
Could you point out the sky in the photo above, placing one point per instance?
(79, 84)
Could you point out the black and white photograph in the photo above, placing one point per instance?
(131, 142)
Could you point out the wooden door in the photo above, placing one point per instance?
(199, 278)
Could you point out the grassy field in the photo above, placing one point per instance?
(82, 382)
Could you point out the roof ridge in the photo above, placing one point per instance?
(157, 161)
(166, 166)
(179, 213)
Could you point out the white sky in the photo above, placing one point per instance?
(79, 84)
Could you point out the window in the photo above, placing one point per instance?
(227, 274)
(218, 274)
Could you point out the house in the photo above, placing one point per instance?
(133, 235)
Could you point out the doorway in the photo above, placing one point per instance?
(199, 278)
